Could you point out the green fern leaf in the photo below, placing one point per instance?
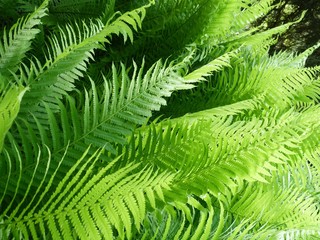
(107, 119)
(215, 65)
(83, 197)
(260, 39)
(17, 41)
(10, 101)
(67, 59)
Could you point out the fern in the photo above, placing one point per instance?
(9, 108)
(17, 41)
(155, 120)
(106, 120)
(110, 199)
(71, 51)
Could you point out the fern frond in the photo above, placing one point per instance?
(298, 233)
(109, 116)
(248, 215)
(237, 148)
(67, 60)
(220, 22)
(300, 60)
(243, 19)
(262, 39)
(294, 86)
(183, 148)
(177, 221)
(213, 66)
(296, 210)
(89, 204)
(235, 157)
(18, 40)
(170, 25)
(10, 101)
(299, 85)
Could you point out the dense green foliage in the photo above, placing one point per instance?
(154, 120)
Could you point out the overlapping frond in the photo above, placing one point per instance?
(10, 100)
(17, 41)
(235, 155)
(260, 39)
(285, 211)
(109, 115)
(71, 50)
(234, 149)
(243, 19)
(86, 204)
(173, 24)
(291, 85)
(165, 225)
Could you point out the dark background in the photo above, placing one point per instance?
(301, 35)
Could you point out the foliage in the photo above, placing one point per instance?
(155, 120)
